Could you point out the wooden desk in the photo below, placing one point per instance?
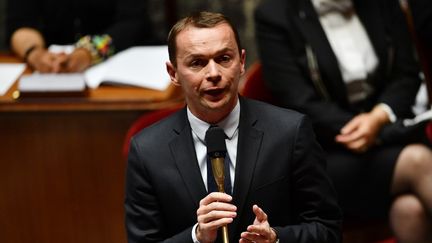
(62, 172)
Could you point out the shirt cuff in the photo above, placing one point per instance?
(195, 240)
(387, 109)
(194, 237)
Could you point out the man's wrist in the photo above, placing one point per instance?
(388, 111)
(380, 116)
(194, 231)
(99, 47)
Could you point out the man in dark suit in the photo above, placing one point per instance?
(280, 191)
(350, 66)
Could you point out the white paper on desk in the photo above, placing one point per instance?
(9, 73)
(142, 66)
(52, 82)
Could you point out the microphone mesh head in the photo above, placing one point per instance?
(215, 140)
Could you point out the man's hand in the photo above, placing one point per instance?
(260, 231)
(215, 211)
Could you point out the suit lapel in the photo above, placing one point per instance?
(309, 25)
(368, 12)
(249, 144)
(183, 152)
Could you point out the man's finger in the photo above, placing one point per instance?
(259, 213)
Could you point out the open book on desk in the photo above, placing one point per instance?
(137, 66)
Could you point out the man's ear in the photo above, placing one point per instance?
(243, 61)
(172, 73)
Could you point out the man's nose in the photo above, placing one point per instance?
(213, 72)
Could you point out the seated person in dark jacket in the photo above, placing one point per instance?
(350, 66)
(97, 27)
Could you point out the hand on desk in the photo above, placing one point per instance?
(78, 61)
(46, 62)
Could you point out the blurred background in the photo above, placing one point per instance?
(68, 183)
(164, 13)
(2, 25)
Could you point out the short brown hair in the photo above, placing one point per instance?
(201, 19)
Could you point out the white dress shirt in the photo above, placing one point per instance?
(354, 51)
(352, 47)
(199, 128)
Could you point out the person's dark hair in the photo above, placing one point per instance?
(200, 20)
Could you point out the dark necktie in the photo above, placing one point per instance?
(211, 183)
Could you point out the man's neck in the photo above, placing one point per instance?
(213, 116)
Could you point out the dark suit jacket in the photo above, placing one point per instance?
(302, 71)
(279, 166)
(422, 17)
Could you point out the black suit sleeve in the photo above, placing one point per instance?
(144, 217)
(402, 81)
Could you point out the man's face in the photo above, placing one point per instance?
(208, 70)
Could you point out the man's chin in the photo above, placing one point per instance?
(216, 105)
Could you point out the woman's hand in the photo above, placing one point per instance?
(360, 133)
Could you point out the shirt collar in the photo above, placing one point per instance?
(229, 124)
(341, 7)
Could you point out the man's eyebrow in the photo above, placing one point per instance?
(199, 55)
(194, 55)
(224, 50)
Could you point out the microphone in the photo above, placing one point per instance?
(216, 150)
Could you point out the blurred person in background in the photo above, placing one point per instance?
(97, 29)
(350, 66)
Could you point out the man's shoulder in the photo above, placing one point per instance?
(276, 122)
(265, 110)
(163, 128)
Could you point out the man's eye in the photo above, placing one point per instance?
(197, 63)
(224, 58)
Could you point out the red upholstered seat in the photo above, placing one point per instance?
(144, 121)
(252, 85)
(391, 240)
